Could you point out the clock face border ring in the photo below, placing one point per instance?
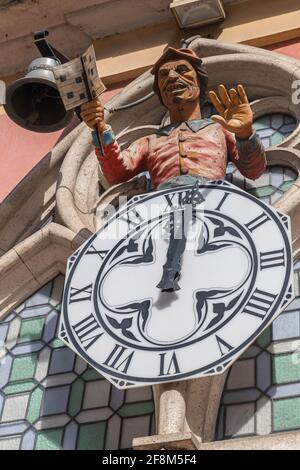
(275, 217)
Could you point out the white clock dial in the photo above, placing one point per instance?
(235, 278)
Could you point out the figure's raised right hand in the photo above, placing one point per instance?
(92, 114)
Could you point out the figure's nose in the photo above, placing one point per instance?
(173, 75)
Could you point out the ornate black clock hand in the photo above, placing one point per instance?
(179, 224)
(172, 267)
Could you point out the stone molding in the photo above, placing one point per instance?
(33, 262)
(276, 441)
(186, 441)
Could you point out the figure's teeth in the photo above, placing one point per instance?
(176, 87)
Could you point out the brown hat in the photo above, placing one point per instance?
(187, 54)
(171, 53)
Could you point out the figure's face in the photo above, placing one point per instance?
(178, 83)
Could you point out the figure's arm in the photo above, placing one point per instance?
(117, 166)
(244, 146)
(248, 155)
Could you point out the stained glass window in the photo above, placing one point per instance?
(275, 181)
(260, 395)
(50, 398)
(274, 128)
(262, 391)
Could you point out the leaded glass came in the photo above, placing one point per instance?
(274, 128)
(50, 398)
(275, 181)
(261, 394)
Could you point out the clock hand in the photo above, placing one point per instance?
(172, 267)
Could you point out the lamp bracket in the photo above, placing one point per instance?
(46, 49)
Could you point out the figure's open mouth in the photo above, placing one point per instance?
(176, 88)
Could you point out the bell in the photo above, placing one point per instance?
(34, 102)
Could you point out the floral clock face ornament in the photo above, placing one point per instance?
(233, 277)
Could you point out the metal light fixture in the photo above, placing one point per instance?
(193, 13)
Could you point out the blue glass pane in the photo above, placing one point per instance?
(277, 126)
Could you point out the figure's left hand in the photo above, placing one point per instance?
(235, 112)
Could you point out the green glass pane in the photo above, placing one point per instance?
(262, 192)
(91, 436)
(264, 339)
(23, 367)
(76, 397)
(19, 388)
(259, 126)
(136, 409)
(277, 138)
(286, 414)
(57, 343)
(285, 369)
(286, 186)
(49, 440)
(33, 412)
(262, 122)
(31, 330)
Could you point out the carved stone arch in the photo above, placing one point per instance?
(33, 262)
(210, 47)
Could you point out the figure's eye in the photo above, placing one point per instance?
(182, 69)
(163, 73)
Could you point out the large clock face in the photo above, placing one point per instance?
(235, 277)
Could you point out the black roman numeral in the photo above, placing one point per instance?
(223, 346)
(79, 295)
(168, 365)
(258, 221)
(119, 359)
(132, 218)
(222, 201)
(259, 303)
(271, 259)
(176, 200)
(88, 331)
(170, 198)
(92, 251)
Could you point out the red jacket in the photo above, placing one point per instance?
(199, 148)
